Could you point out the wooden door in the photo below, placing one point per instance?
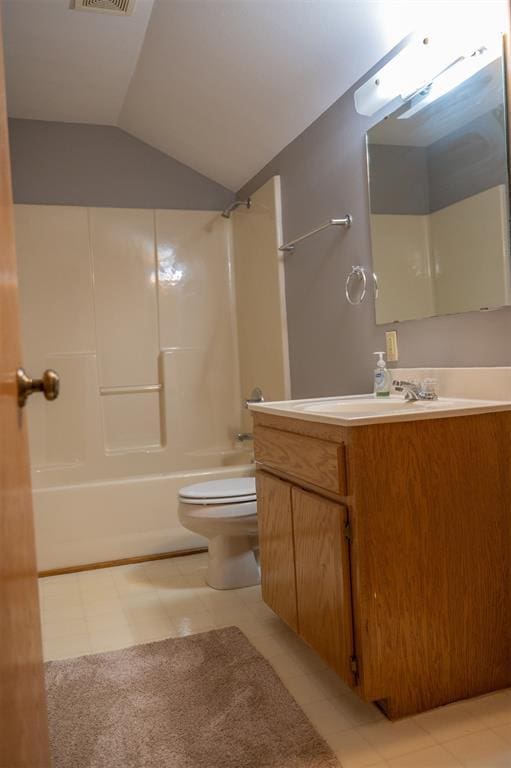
(23, 723)
(323, 579)
(275, 521)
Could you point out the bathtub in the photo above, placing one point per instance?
(115, 519)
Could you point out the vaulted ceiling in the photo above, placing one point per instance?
(221, 85)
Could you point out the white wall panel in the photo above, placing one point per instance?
(72, 299)
(194, 279)
(54, 268)
(470, 244)
(454, 260)
(131, 422)
(260, 296)
(401, 250)
(197, 333)
(123, 253)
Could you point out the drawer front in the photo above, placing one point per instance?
(318, 462)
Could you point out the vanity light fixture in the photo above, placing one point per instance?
(417, 67)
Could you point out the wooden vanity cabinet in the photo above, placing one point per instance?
(387, 548)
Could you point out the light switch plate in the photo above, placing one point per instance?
(391, 344)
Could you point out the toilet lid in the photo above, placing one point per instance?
(228, 491)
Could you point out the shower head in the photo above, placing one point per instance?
(226, 213)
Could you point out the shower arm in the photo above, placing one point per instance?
(226, 213)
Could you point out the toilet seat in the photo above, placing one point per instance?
(223, 511)
(236, 490)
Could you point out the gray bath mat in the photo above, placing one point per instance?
(203, 701)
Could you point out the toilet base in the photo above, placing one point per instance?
(232, 563)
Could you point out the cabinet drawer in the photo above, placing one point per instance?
(315, 461)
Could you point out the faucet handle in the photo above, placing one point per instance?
(417, 390)
(429, 389)
(400, 385)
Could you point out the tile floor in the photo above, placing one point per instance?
(115, 607)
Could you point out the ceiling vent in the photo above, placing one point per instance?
(120, 7)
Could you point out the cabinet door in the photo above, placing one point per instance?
(275, 522)
(323, 579)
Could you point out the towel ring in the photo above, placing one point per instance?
(360, 273)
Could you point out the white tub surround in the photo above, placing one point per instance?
(140, 324)
(116, 519)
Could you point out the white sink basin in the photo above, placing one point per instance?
(376, 406)
(368, 409)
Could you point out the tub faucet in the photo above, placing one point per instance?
(243, 437)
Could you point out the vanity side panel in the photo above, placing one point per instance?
(275, 521)
(431, 559)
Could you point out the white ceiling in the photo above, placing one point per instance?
(221, 85)
(71, 66)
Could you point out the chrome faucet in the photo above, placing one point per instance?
(414, 390)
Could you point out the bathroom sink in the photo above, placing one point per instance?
(367, 409)
(374, 406)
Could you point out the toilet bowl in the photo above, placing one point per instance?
(224, 511)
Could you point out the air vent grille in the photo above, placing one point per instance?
(120, 7)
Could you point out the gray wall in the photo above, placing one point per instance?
(100, 165)
(323, 174)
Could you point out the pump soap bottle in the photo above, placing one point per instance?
(381, 377)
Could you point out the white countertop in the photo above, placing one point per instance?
(359, 410)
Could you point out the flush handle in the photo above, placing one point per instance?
(49, 385)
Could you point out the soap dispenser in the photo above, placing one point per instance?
(381, 377)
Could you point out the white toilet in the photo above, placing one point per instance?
(224, 511)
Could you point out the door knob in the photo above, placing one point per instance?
(49, 385)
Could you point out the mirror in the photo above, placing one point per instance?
(439, 209)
